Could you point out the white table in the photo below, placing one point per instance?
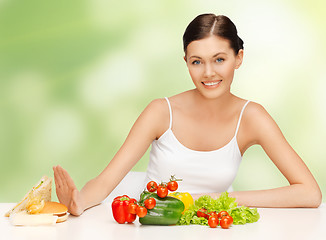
(98, 223)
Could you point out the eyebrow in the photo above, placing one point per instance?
(215, 55)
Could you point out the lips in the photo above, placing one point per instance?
(211, 84)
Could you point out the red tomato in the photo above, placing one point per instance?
(162, 191)
(150, 203)
(226, 222)
(132, 207)
(213, 222)
(172, 186)
(202, 213)
(222, 214)
(212, 214)
(229, 218)
(151, 186)
(141, 211)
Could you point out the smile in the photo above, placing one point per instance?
(211, 83)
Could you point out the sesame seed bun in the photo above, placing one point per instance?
(57, 209)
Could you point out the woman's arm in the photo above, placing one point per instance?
(258, 127)
(149, 125)
(303, 190)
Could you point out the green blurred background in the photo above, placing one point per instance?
(75, 75)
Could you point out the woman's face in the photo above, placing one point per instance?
(211, 63)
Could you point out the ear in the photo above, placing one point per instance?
(239, 59)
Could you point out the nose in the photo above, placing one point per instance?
(209, 70)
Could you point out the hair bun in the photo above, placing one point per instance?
(240, 43)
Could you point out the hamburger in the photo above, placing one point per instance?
(56, 209)
(50, 214)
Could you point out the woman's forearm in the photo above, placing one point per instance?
(93, 193)
(295, 195)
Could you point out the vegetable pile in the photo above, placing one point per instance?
(167, 210)
(159, 207)
(152, 208)
(206, 205)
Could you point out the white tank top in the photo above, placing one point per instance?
(201, 171)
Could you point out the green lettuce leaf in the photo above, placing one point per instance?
(240, 215)
(243, 215)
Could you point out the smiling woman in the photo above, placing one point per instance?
(213, 50)
(211, 70)
(202, 134)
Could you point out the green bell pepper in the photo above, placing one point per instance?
(167, 211)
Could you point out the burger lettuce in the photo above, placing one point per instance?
(240, 215)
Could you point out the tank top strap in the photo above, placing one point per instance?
(243, 108)
(170, 110)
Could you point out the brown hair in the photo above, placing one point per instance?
(205, 25)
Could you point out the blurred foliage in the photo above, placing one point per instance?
(75, 75)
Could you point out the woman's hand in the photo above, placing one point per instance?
(67, 191)
(151, 124)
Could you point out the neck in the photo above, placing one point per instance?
(212, 105)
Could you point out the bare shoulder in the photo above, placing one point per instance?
(257, 122)
(158, 106)
(157, 115)
(254, 110)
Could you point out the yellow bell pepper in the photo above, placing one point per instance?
(185, 197)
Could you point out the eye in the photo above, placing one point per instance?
(219, 60)
(196, 62)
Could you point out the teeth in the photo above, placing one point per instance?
(211, 83)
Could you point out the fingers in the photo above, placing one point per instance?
(57, 178)
(63, 179)
(68, 179)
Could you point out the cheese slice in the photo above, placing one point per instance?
(25, 219)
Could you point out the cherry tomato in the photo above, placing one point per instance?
(229, 218)
(212, 214)
(162, 191)
(222, 213)
(141, 211)
(151, 186)
(202, 213)
(150, 203)
(172, 186)
(213, 222)
(226, 222)
(132, 207)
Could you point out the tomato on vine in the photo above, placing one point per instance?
(172, 184)
(222, 214)
(132, 207)
(151, 186)
(202, 213)
(162, 191)
(212, 214)
(226, 221)
(141, 211)
(150, 203)
(213, 221)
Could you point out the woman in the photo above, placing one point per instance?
(201, 135)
